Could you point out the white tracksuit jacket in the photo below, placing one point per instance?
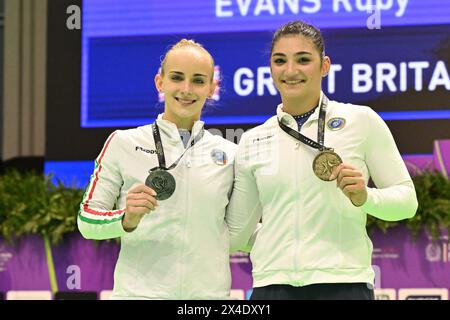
(181, 249)
(311, 232)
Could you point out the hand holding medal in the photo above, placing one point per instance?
(140, 201)
(351, 182)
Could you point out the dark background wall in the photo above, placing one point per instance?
(65, 139)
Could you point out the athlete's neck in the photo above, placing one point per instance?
(300, 106)
(181, 123)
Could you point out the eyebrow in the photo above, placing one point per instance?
(295, 54)
(195, 74)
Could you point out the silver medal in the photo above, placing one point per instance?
(162, 182)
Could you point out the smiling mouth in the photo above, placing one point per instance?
(185, 102)
(293, 82)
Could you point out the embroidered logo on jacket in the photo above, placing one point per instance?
(145, 150)
(262, 138)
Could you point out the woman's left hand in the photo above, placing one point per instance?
(351, 182)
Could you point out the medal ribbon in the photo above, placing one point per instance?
(320, 129)
(160, 149)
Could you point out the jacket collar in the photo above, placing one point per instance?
(289, 120)
(170, 130)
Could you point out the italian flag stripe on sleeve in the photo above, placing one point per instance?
(88, 214)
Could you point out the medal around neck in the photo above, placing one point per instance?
(324, 163)
(162, 182)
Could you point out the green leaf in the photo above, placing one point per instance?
(433, 213)
(31, 204)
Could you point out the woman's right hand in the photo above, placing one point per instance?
(140, 201)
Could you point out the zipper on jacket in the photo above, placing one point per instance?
(187, 170)
(297, 220)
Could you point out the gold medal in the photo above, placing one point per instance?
(324, 163)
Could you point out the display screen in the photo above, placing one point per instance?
(393, 57)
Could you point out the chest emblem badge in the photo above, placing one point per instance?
(336, 124)
(219, 157)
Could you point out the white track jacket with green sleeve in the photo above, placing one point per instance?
(181, 249)
(311, 232)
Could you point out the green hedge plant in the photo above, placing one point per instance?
(433, 213)
(31, 204)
